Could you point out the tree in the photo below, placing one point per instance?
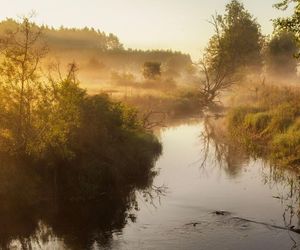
(237, 41)
(58, 116)
(289, 24)
(20, 82)
(37, 114)
(152, 70)
(280, 59)
(213, 82)
(235, 46)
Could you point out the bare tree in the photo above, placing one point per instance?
(213, 82)
(216, 76)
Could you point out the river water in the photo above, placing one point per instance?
(253, 200)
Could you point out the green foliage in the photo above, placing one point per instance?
(282, 117)
(280, 55)
(56, 120)
(237, 116)
(286, 147)
(111, 150)
(20, 83)
(289, 24)
(271, 127)
(237, 43)
(80, 145)
(257, 122)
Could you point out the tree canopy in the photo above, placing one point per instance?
(237, 41)
(289, 24)
(280, 55)
(235, 47)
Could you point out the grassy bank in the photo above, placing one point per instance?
(269, 125)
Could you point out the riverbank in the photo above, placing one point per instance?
(247, 188)
(270, 124)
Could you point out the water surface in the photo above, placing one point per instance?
(247, 189)
(183, 216)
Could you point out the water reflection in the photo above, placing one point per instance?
(220, 150)
(31, 222)
(229, 179)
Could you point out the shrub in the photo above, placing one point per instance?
(282, 117)
(257, 122)
(286, 148)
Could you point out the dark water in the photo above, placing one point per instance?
(177, 210)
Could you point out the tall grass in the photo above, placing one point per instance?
(270, 125)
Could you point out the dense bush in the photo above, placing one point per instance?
(75, 146)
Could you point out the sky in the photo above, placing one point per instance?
(143, 24)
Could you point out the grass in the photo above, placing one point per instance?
(270, 126)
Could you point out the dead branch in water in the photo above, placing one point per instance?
(152, 119)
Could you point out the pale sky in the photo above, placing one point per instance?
(144, 24)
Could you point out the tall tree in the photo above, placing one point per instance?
(237, 42)
(37, 114)
(289, 24)
(21, 51)
(235, 46)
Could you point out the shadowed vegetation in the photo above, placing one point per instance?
(68, 159)
(79, 146)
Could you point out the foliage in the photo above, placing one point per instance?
(99, 53)
(213, 83)
(289, 24)
(286, 147)
(234, 49)
(78, 146)
(280, 56)
(20, 83)
(271, 125)
(71, 38)
(257, 122)
(237, 42)
(152, 70)
(111, 150)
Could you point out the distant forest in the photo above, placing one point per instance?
(93, 49)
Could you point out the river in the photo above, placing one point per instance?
(252, 198)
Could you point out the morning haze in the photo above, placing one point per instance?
(144, 24)
(141, 124)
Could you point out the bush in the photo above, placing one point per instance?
(237, 116)
(286, 148)
(112, 151)
(282, 117)
(257, 122)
